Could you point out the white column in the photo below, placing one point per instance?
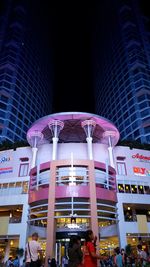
(34, 156)
(123, 239)
(111, 159)
(107, 174)
(110, 152)
(24, 225)
(7, 250)
(54, 153)
(90, 151)
(121, 226)
(109, 136)
(55, 126)
(34, 139)
(89, 126)
(24, 219)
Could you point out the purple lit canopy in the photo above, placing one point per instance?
(72, 130)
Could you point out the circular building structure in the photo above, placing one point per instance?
(72, 178)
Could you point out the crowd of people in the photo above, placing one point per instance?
(86, 255)
(13, 262)
(81, 254)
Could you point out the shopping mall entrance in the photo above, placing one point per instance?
(62, 243)
(107, 244)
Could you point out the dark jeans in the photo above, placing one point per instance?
(34, 264)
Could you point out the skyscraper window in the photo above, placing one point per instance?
(23, 71)
(125, 54)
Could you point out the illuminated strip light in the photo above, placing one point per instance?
(6, 170)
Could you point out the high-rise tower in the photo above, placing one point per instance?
(122, 68)
(24, 82)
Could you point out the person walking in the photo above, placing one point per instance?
(32, 250)
(74, 252)
(124, 256)
(10, 262)
(141, 256)
(49, 261)
(90, 255)
(65, 261)
(118, 259)
(16, 262)
(53, 263)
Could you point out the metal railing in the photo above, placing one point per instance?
(40, 180)
(12, 191)
(104, 180)
(73, 176)
(15, 220)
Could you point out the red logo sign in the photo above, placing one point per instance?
(141, 171)
(140, 157)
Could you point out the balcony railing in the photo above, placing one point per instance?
(73, 176)
(104, 180)
(133, 218)
(12, 191)
(15, 220)
(64, 176)
(40, 180)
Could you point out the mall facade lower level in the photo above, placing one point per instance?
(71, 178)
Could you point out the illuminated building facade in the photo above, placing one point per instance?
(14, 181)
(122, 68)
(80, 179)
(24, 77)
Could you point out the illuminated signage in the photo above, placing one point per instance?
(6, 170)
(142, 158)
(4, 159)
(141, 171)
(73, 225)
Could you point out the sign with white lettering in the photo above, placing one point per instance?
(141, 171)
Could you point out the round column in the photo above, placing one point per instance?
(88, 126)
(35, 138)
(110, 135)
(7, 251)
(55, 126)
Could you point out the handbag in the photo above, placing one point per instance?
(38, 263)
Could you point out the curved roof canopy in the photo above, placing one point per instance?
(73, 131)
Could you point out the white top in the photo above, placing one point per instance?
(34, 249)
(144, 255)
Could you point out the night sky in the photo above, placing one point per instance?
(72, 55)
(67, 31)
